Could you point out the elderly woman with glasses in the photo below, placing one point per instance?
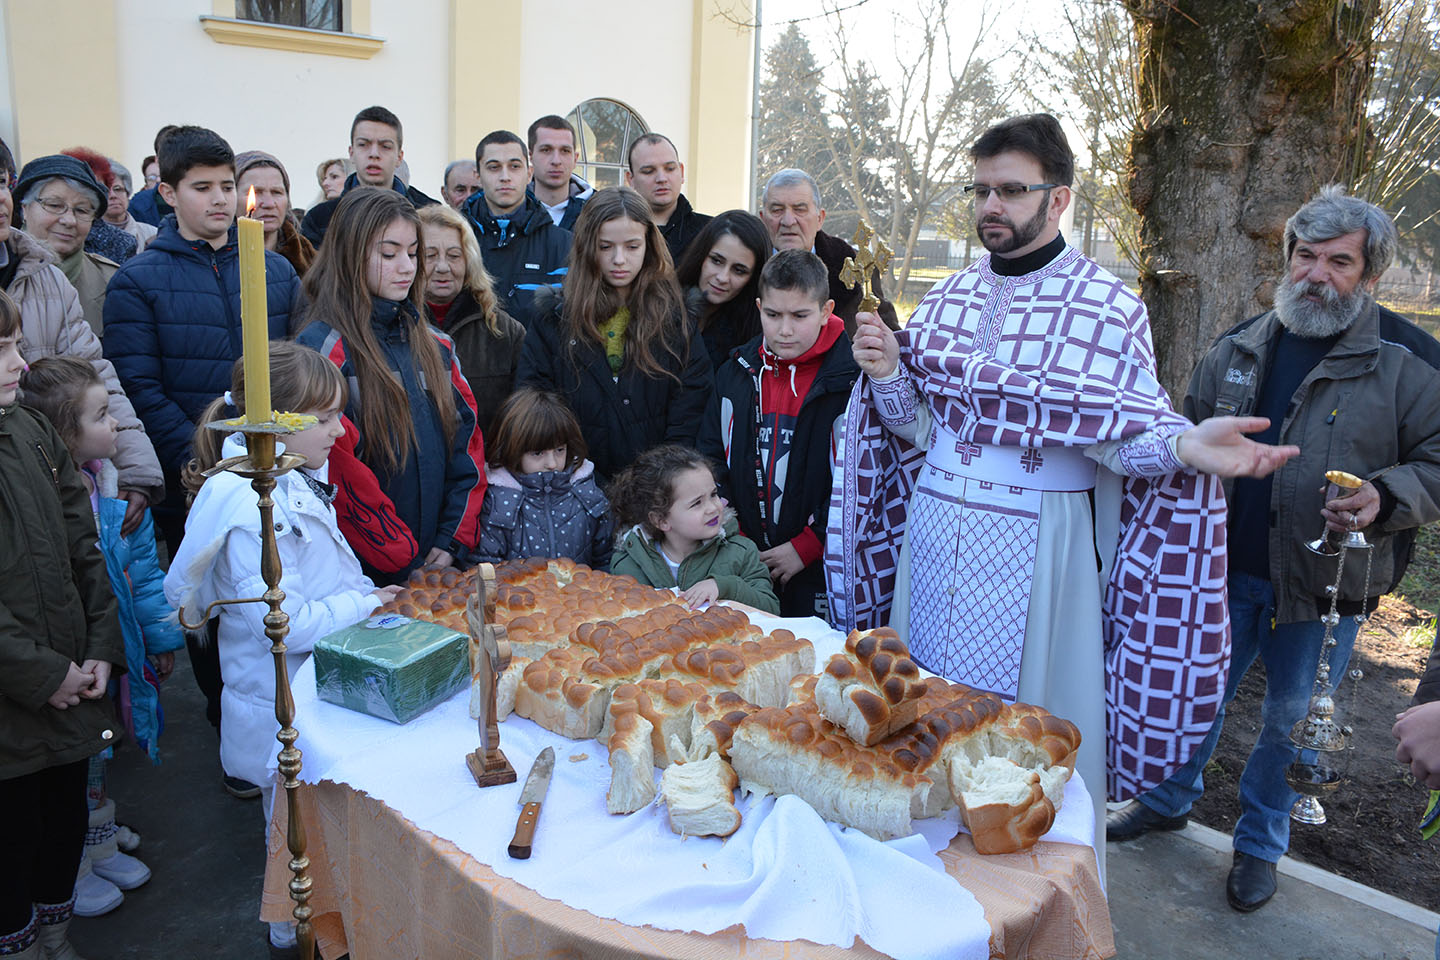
(117, 212)
(53, 323)
(61, 199)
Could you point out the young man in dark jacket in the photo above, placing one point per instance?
(560, 191)
(772, 423)
(653, 168)
(377, 145)
(172, 314)
(519, 242)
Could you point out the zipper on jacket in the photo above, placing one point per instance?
(54, 472)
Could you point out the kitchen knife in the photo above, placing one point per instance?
(530, 799)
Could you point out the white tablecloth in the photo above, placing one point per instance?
(785, 874)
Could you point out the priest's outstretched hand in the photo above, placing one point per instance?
(876, 350)
(1220, 446)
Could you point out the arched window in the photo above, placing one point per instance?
(604, 129)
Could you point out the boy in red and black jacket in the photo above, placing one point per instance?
(773, 421)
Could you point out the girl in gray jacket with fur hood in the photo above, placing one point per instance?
(542, 499)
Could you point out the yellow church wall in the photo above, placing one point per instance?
(451, 69)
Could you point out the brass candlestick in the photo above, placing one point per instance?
(263, 467)
(871, 255)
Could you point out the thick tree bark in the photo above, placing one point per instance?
(1246, 109)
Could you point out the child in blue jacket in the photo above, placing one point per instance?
(73, 397)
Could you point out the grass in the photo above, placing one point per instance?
(1421, 636)
(1421, 584)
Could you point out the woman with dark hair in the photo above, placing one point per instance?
(411, 478)
(720, 274)
(616, 344)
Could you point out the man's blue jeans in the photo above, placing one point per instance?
(1290, 652)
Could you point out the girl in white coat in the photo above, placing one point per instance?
(219, 559)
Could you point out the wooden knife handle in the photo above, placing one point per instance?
(524, 832)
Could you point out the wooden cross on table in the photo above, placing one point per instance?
(872, 256)
(489, 656)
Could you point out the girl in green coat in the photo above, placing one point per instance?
(679, 533)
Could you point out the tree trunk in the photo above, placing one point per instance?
(1246, 109)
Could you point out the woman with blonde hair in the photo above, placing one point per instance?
(461, 300)
(330, 175)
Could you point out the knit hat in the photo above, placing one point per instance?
(259, 158)
(58, 165)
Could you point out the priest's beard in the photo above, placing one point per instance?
(1316, 321)
(1019, 236)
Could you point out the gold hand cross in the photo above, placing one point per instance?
(872, 256)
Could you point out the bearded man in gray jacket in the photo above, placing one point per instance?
(1357, 388)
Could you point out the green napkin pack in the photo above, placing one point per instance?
(391, 667)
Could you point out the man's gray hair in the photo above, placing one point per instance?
(790, 177)
(123, 173)
(1332, 213)
(452, 165)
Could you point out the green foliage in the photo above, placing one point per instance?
(1421, 636)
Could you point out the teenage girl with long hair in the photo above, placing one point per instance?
(411, 469)
(616, 344)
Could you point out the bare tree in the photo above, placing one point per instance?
(895, 151)
(1398, 164)
(1090, 73)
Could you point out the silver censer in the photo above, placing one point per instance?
(1319, 731)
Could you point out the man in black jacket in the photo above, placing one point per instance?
(553, 144)
(655, 172)
(522, 248)
(791, 210)
(376, 149)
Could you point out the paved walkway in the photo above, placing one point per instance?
(1167, 902)
(1167, 894)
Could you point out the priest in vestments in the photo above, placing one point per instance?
(1021, 502)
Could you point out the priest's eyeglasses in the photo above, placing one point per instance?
(1008, 191)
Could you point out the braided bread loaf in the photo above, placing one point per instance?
(873, 688)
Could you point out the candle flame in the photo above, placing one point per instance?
(250, 203)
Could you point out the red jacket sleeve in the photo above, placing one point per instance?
(367, 516)
(465, 474)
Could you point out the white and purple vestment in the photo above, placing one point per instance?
(963, 515)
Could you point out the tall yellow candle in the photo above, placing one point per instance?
(254, 318)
